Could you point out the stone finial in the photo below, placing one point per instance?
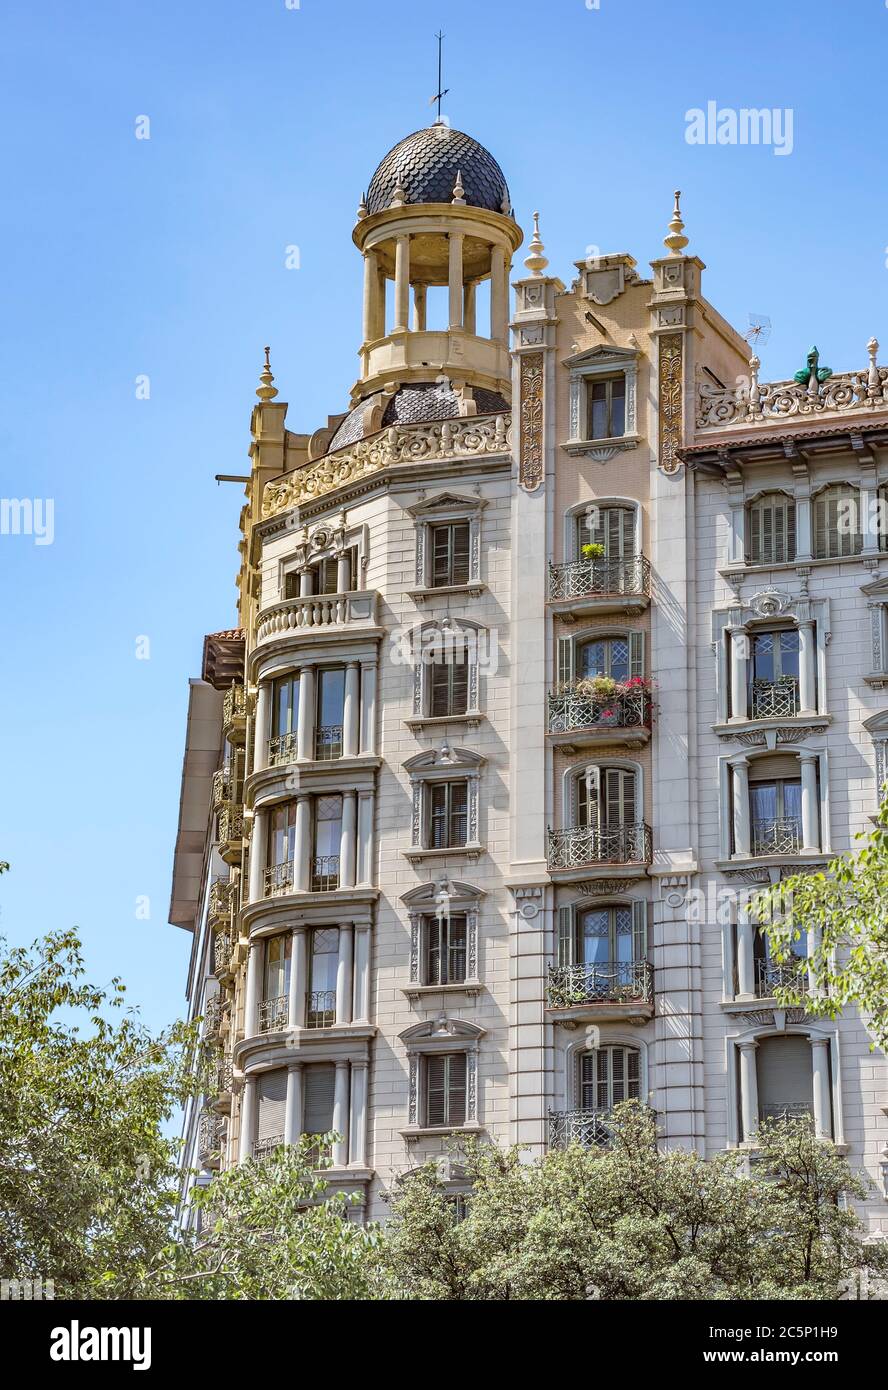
(266, 390)
(873, 379)
(506, 206)
(399, 197)
(676, 241)
(362, 208)
(536, 262)
(459, 193)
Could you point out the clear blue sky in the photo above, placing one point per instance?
(166, 257)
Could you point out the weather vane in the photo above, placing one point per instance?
(442, 91)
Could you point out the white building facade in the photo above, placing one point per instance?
(545, 644)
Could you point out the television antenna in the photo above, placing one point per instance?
(759, 330)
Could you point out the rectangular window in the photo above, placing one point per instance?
(446, 1089)
(277, 966)
(327, 837)
(450, 554)
(448, 819)
(837, 523)
(271, 1104)
(606, 408)
(445, 950)
(285, 706)
(319, 1080)
(282, 834)
(330, 707)
(449, 685)
(322, 970)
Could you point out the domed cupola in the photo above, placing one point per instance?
(437, 213)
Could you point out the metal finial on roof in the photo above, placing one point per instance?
(536, 261)
(676, 241)
(442, 91)
(266, 390)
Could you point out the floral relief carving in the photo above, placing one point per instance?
(671, 363)
(531, 456)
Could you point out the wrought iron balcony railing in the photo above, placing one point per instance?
(223, 946)
(786, 1110)
(581, 845)
(279, 879)
(231, 824)
(600, 578)
(780, 835)
(264, 1148)
(234, 710)
(211, 1133)
(223, 1075)
(214, 1011)
(328, 742)
(586, 1127)
(221, 898)
(574, 708)
(274, 1014)
(775, 699)
(320, 1008)
(282, 749)
(773, 975)
(225, 786)
(325, 873)
(617, 982)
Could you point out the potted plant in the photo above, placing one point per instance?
(592, 550)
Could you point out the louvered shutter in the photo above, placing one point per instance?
(633, 1073)
(636, 654)
(628, 533)
(319, 1080)
(565, 660)
(785, 1076)
(639, 931)
(567, 935)
(446, 1089)
(272, 1098)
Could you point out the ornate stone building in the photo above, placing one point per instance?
(533, 665)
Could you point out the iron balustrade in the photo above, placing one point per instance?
(221, 894)
(573, 708)
(282, 749)
(210, 1135)
(786, 1110)
(778, 835)
(223, 945)
(213, 1012)
(775, 699)
(613, 982)
(279, 879)
(231, 824)
(602, 578)
(224, 1075)
(320, 1008)
(773, 975)
(234, 705)
(588, 1128)
(325, 873)
(274, 1014)
(264, 1148)
(581, 845)
(328, 742)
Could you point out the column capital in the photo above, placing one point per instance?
(295, 1066)
(747, 1044)
(809, 755)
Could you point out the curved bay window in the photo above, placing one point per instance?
(771, 522)
(837, 522)
(327, 841)
(774, 673)
(281, 848)
(323, 963)
(284, 719)
(330, 713)
(274, 1008)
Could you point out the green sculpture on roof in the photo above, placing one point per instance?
(812, 375)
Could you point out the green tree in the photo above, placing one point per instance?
(88, 1181)
(634, 1222)
(844, 914)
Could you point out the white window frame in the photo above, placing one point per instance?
(445, 635)
(444, 764)
(811, 1031)
(444, 508)
(460, 898)
(586, 367)
(753, 502)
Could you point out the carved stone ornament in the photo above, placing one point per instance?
(531, 440)
(670, 393)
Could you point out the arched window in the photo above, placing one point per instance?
(612, 527)
(771, 529)
(608, 1075)
(837, 522)
(606, 798)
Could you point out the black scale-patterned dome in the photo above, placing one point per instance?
(427, 163)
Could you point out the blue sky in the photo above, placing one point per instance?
(166, 257)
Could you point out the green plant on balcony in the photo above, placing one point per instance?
(592, 550)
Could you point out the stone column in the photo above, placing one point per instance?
(469, 305)
(247, 1119)
(810, 809)
(357, 1149)
(371, 290)
(402, 283)
(745, 954)
(348, 843)
(748, 1090)
(368, 707)
(293, 1110)
(366, 854)
(822, 1098)
(351, 712)
(262, 732)
(361, 1009)
(739, 703)
(343, 573)
(258, 854)
(306, 583)
(419, 308)
(251, 992)
(869, 515)
(340, 1115)
(344, 974)
(302, 852)
(305, 727)
(298, 978)
(499, 294)
(807, 669)
(742, 833)
(455, 278)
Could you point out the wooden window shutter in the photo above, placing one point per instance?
(272, 1097)
(639, 930)
(319, 1082)
(636, 653)
(567, 935)
(565, 660)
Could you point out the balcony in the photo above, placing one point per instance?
(319, 615)
(284, 748)
(222, 1083)
(221, 900)
(780, 835)
(214, 1013)
(225, 787)
(603, 992)
(770, 976)
(584, 847)
(775, 699)
(320, 1008)
(587, 1128)
(579, 717)
(264, 1148)
(223, 949)
(787, 1110)
(234, 714)
(230, 832)
(600, 586)
(211, 1138)
(274, 1014)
